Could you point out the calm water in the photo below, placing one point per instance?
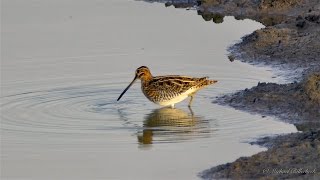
(64, 64)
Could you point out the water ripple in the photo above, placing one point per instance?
(69, 109)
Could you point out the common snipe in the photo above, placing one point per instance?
(168, 90)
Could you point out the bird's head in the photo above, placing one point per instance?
(143, 73)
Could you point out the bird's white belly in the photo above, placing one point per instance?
(177, 99)
(173, 100)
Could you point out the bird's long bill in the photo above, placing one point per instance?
(125, 90)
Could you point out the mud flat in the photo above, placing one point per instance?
(290, 42)
(289, 156)
(294, 155)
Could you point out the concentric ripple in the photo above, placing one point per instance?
(72, 109)
(92, 108)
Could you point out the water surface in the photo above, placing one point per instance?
(64, 64)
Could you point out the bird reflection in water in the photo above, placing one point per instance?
(169, 125)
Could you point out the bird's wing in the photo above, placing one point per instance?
(175, 84)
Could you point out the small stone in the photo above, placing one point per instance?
(231, 58)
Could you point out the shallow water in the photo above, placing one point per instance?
(65, 63)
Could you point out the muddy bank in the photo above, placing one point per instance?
(290, 156)
(295, 155)
(290, 42)
(297, 102)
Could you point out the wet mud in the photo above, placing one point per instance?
(297, 103)
(289, 156)
(290, 42)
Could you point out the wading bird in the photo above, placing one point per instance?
(168, 90)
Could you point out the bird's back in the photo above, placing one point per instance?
(165, 88)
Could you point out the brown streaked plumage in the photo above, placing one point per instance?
(168, 90)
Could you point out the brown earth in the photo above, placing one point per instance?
(290, 42)
(297, 102)
(290, 156)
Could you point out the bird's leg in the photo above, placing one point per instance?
(191, 98)
(172, 106)
(192, 114)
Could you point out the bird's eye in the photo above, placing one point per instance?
(141, 74)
